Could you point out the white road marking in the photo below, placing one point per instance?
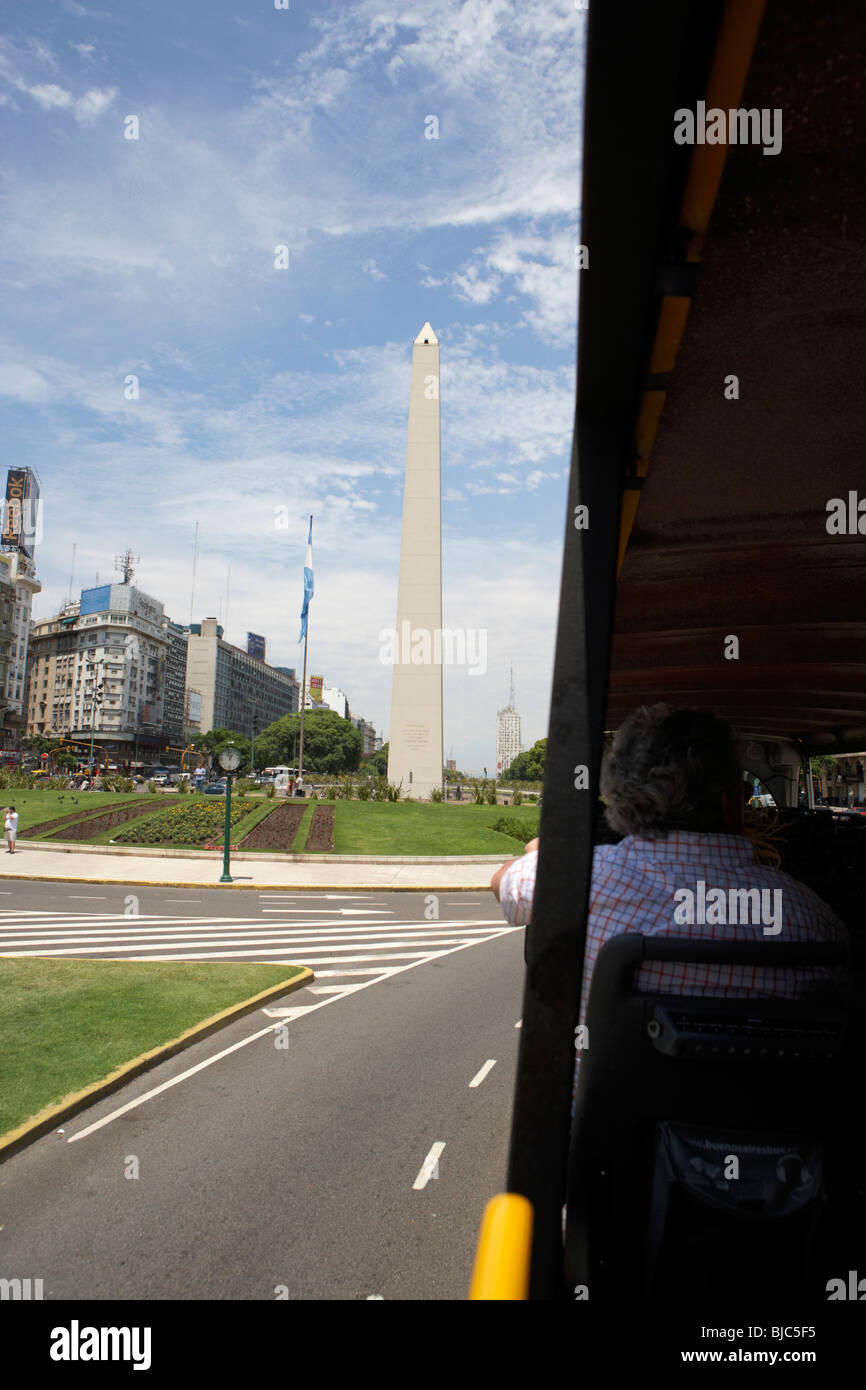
(310, 949)
(329, 911)
(95, 897)
(429, 1168)
(323, 1004)
(166, 1085)
(479, 1076)
(334, 989)
(322, 974)
(326, 897)
(181, 900)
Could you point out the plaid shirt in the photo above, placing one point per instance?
(633, 887)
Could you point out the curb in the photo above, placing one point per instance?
(49, 1117)
(254, 856)
(254, 887)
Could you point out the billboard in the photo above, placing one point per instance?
(316, 686)
(96, 600)
(255, 645)
(22, 511)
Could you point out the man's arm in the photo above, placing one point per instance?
(514, 886)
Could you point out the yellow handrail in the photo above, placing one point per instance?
(502, 1259)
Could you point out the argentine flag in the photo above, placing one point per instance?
(308, 583)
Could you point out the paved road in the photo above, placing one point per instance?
(353, 1162)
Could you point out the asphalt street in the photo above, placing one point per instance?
(340, 1145)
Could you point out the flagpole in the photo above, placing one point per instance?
(304, 682)
(303, 703)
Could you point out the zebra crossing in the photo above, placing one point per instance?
(347, 947)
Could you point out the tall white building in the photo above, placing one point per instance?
(334, 699)
(508, 743)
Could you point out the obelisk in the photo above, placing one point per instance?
(416, 745)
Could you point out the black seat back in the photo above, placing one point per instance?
(715, 1139)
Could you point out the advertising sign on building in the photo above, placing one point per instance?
(22, 511)
(255, 645)
(316, 686)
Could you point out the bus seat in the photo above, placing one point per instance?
(714, 1140)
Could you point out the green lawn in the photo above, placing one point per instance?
(360, 827)
(410, 827)
(65, 1024)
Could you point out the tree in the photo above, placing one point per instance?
(377, 763)
(528, 766)
(38, 743)
(822, 767)
(331, 744)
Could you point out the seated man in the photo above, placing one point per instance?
(686, 867)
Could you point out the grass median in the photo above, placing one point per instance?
(420, 828)
(65, 1024)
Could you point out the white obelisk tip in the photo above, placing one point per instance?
(427, 336)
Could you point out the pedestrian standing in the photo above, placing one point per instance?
(10, 828)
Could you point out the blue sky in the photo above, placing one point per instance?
(264, 389)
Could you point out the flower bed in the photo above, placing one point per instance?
(321, 836)
(190, 824)
(276, 831)
(97, 825)
(48, 827)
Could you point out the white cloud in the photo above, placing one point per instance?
(370, 268)
(91, 106)
(22, 383)
(48, 94)
(472, 288)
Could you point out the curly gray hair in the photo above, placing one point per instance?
(668, 770)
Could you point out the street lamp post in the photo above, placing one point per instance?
(96, 700)
(229, 760)
(254, 704)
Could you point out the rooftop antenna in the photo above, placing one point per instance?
(228, 588)
(194, 566)
(126, 563)
(511, 689)
(72, 571)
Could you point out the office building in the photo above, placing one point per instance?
(508, 743)
(20, 532)
(100, 666)
(238, 691)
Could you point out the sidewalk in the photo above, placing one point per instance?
(35, 860)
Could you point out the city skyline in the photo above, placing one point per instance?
(161, 366)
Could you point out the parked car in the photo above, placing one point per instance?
(215, 789)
